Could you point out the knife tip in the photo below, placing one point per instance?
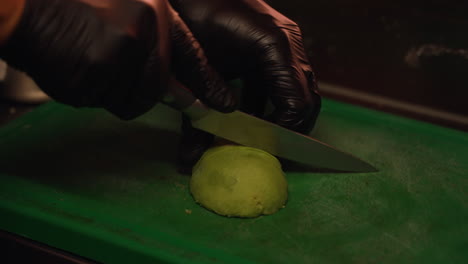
(365, 168)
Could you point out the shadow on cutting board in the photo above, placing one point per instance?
(79, 151)
(94, 155)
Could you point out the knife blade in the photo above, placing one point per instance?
(254, 132)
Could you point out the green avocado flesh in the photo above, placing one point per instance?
(238, 181)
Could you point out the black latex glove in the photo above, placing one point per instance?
(115, 54)
(248, 39)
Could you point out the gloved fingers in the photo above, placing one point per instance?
(286, 73)
(193, 144)
(192, 69)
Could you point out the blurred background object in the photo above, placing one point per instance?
(404, 57)
(19, 94)
(19, 87)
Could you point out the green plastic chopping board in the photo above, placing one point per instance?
(85, 182)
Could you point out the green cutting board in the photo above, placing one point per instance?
(108, 190)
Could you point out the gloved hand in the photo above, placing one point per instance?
(115, 54)
(248, 39)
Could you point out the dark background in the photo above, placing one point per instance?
(413, 52)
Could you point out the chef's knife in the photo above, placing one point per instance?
(254, 132)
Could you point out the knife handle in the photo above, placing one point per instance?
(182, 99)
